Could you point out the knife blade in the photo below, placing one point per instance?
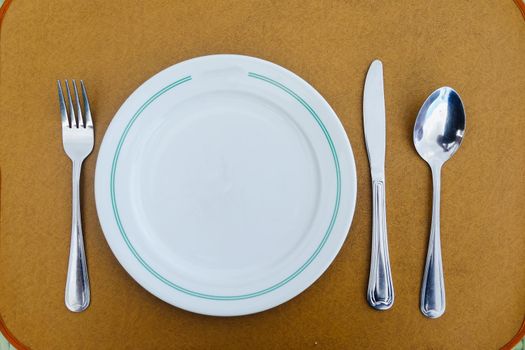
(380, 294)
(374, 119)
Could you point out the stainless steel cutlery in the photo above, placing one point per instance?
(438, 133)
(77, 138)
(380, 293)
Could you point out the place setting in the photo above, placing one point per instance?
(226, 185)
(261, 175)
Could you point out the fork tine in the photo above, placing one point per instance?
(87, 109)
(74, 123)
(79, 110)
(62, 104)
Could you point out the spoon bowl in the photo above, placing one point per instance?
(440, 126)
(438, 133)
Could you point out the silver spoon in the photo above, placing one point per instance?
(438, 132)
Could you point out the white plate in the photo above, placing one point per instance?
(225, 185)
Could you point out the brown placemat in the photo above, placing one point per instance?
(477, 48)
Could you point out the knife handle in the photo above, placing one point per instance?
(380, 287)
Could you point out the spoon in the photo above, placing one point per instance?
(438, 133)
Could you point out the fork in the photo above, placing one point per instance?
(77, 137)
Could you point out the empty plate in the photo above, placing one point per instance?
(225, 185)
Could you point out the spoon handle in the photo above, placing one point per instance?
(433, 287)
(380, 293)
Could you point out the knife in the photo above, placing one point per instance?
(380, 293)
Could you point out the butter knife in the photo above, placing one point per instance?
(380, 293)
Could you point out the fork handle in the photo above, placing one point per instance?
(380, 293)
(77, 295)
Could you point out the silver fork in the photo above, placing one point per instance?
(77, 137)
